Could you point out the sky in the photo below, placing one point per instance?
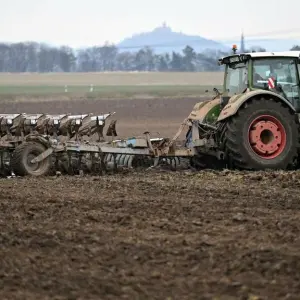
(93, 22)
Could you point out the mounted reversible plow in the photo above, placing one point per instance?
(42, 144)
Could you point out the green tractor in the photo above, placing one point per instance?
(253, 123)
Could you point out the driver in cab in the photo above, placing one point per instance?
(269, 74)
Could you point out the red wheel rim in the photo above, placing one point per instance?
(267, 137)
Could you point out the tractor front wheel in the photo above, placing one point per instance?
(22, 157)
(262, 135)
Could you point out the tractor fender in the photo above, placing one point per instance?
(236, 102)
(201, 109)
(38, 139)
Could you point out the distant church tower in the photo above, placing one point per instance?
(242, 49)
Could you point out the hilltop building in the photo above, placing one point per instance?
(242, 47)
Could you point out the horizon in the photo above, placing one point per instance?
(81, 24)
(227, 42)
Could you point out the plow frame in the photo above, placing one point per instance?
(156, 148)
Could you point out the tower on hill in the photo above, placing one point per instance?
(242, 47)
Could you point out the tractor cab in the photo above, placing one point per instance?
(277, 72)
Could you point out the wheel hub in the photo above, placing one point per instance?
(267, 137)
(32, 166)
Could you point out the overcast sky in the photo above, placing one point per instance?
(92, 22)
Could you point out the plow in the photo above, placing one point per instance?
(252, 124)
(43, 144)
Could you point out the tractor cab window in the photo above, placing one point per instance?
(283, 71)
(236, 78)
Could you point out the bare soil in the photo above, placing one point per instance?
(151, 234)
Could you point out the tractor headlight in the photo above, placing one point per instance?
(77, 122)
(55, 122)
(9, 121)
(32, 121)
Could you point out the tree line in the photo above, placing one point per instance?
(42, 58)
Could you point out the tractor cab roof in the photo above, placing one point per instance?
(240, 57)
(275, 54)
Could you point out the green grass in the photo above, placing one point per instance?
(109, 90)
(112, 85)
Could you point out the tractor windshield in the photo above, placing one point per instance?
(284, 73)
(283, 70)
(236, 78)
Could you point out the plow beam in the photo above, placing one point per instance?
(81, 148)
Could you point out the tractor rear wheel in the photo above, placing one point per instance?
(262, 135)
(22, 156)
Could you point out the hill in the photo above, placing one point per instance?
(163, 39)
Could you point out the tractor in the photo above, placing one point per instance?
(253, 123)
